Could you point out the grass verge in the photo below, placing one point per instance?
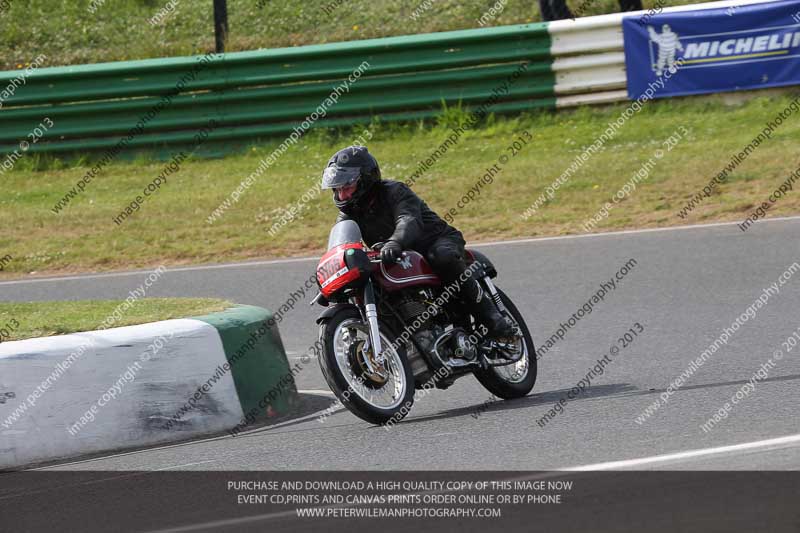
(172, 226)
(43, 319)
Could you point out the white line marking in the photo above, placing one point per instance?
(691, 454)
(469, 245)
(175, 269)
(627, 232)
(210, 439)
(317, 391)
(181, 466)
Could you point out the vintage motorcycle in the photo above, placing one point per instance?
(388, 331)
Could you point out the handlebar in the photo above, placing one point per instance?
(377, 259)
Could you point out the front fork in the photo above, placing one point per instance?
(371, 315)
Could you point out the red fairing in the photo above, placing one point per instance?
(413, 271)
(332, 271)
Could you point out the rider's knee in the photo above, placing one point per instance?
(443, 257)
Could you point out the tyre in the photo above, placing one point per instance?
(375, 393)
(515, 380)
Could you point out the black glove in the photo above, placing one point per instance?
(390, 252)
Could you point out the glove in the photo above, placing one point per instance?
(390, 252)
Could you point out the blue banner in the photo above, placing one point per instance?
(713, 50)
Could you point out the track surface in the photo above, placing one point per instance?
(687, 285)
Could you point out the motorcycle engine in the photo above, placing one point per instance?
(453, 343)
(412, 309)
(460, 346)
(413, 306)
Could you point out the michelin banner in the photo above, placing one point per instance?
(713, 50)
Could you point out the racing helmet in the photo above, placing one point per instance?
(350, 165)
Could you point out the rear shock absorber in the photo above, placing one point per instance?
(493, 292)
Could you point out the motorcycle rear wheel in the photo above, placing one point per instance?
(515, 380)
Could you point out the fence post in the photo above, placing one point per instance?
(220, 24)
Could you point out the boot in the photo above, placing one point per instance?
(485, 312)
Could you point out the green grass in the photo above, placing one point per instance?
(43, 319)
(65, 32)
(171, 226)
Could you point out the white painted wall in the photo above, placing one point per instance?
(135, 418)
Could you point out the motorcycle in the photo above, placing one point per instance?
(388, 331)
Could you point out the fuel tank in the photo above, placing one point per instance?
(412, 271)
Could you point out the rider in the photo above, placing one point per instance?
(389, 211)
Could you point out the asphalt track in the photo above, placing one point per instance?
(687, 285)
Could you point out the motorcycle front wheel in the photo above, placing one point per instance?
(375, 391)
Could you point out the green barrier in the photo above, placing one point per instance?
(260, 370)
(270, 92)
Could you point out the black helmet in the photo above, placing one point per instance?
(347, 166)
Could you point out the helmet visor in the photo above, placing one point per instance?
(334, 177)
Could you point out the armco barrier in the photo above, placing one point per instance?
(267, 92)
(270, 92)
(72, 395)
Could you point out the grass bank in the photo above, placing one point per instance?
(68, 32)
(172, 227)
(43, 319)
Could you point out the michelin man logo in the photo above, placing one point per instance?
(668, 45)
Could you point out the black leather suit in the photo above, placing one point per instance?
(391, 211)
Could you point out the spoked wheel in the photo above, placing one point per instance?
(514, 380)
(374, 390)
